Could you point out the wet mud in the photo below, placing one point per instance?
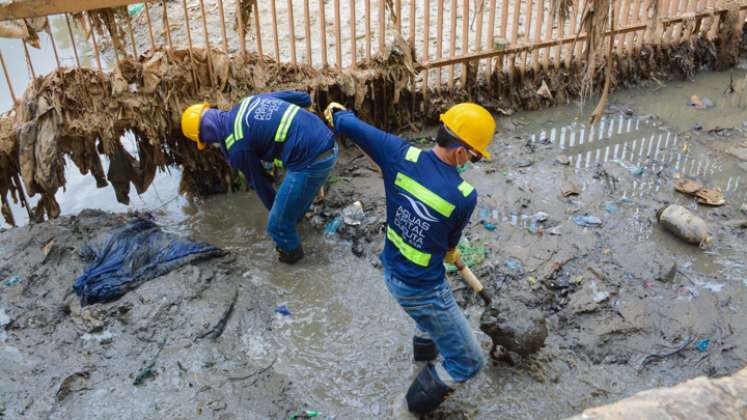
(565, 233)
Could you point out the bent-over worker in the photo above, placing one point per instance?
(428, 206)
(271, 127)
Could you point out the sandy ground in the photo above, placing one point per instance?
(627, 306)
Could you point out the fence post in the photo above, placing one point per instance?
(7, 80)
(353, 37)
(292, 28)
(323, 33)
(275, 29)
(150, 27)
(72, 40)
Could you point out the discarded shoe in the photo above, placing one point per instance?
(423, 349)
(290, 257)
(427, 391)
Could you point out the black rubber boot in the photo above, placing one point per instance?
(423, 349)
(291, 257)
(427, 392)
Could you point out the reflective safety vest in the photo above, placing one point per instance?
(427, 197)
(280, 134)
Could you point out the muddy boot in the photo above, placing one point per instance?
(290, 257)
(427, 391)
(423, 349)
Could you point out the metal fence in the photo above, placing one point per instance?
(448, 36)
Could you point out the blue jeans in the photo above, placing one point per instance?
(438, 317)
(294, 198)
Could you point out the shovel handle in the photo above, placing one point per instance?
(470, 278)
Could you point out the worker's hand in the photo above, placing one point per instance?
(331, 109)
(452, 256)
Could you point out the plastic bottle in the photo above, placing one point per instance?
(683, 224)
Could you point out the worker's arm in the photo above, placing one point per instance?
(253, 170)
(380, 145)
(301, 99)
(465, 213)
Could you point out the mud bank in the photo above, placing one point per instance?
(196, 334)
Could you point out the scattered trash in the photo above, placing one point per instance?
(514, 265)
(701, 103)
(702, 345)
(704, 195)
(304, 414)
(544, 91)
(563, 160)
(472, 255)
(654, 356)
(683, 224)
(610, 208)
(149, 370)
(353, 214)
(637, 170)
(132, 254)
(570, 188)
(489, 226)
(134, 9)
(540, 216)
(12, 281)
(72, 383)
(698, 127)
(587, 221)
(283, 310)
(331, 227)
(484, 214)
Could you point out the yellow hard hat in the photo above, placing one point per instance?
(472, 124)
(191, 123)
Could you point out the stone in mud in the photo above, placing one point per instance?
(515, 327)
(683, 224)
(589, 298)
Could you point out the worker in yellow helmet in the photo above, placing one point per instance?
(271, 127)
(428, 206)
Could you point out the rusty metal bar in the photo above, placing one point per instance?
(412, 23)
(208, 53)
(54, 44)
(559, 47)
(538, 34)
(166, 24)
(548, 36)
(439, 34)
(398, 15)
(382, 27)
(72, 40)
(528, 34)
(514, 34)
(307, 31)
(490, 37)
(368, 28)
(242, 30)
(258, 33)
(28, 59)
(452, 40)
(132, 35)
(515, 49)
(275, 29)
(465, 39)
(186, 25)
(7, 80)
(292, 28)
(426, 44)
(480, 11)
(115, 42)
(95, 44)
(22, 9)
(353, 37)
(635, 18)
(338, 36)
(150, 27)
(323, 33)
(222, 17)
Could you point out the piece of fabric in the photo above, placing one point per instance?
(428, 203)
(132, 254)
(294, 198)
(437, 315)
(269, 127)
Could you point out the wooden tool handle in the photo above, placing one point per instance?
(470, 278)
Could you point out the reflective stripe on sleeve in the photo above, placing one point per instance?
(238, 130)
(230, 140)
(423, 194)
(285, 123)
(416, 256)
(465, 188)
(413, 153)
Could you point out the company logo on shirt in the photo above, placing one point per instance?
(420, 208)
(265, 108)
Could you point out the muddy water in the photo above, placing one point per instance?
(346, 344)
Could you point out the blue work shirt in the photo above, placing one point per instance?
(427, 203)
(270, 127)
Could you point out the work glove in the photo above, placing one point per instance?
(452, 256)
(331, 109)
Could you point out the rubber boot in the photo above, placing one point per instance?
(290, 257)
(427, 392)
(423, 349)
